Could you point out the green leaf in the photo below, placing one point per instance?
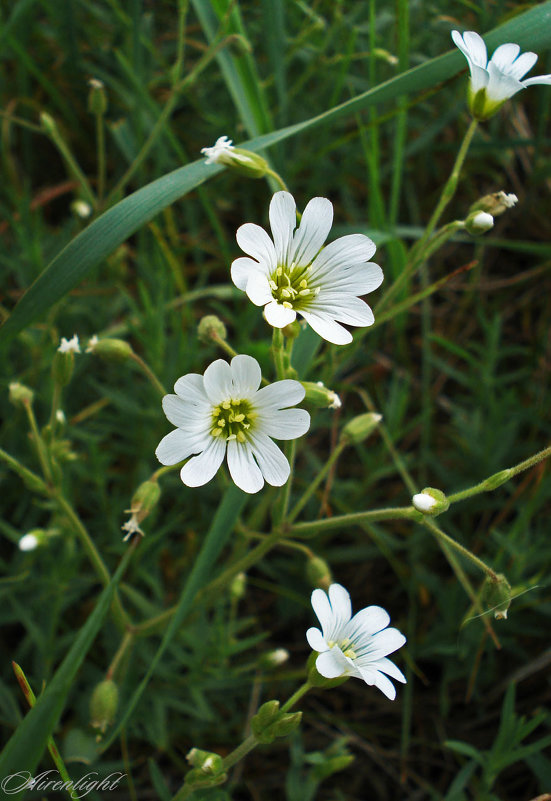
(27, 744)
(466, 749)
(531, 30)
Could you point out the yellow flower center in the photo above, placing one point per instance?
(231, 419)
(291, 286)
(344, 645)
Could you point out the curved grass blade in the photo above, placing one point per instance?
(532, 29)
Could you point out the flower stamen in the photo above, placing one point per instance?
(231, 419)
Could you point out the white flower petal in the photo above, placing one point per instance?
(183, 415)
(243, 468)
(246, 375)
(242, 269)
(322, 608)
(350, 249)
(538, 79)
(504, 56)
(313, 231)
(501, 86)
(388, 667)
(369, 621)
(283, 220)
(385, 642)
(201, 469)
(258, 289)
(332, 664)
(522, 64)
(255, 241)
(218, 381)
(285, 423)
(316, 641)
(272, 462)
(356, 279)
(178, 445)
(385, 686)
(350, 310)
(277, 315)
(191, 388)
(475, 48)
(341, 605)
(280, 394)
(327, 328)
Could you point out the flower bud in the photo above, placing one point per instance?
(238, 586)
(243, 161)
(495, 481)
(97, 97)
(431, 502)
(32, 540)
(114, 350)
(287, 724)
(292, 330)
(319, 573)
(273, 659)
(81, 208)
(360, 428)
(48, 123)
(145, 499)
(318, 395)
(495, 204)
(207, 762)
(211, 327)
(497, 595)
(20, 395)
(479, 222)
(103, 704)
(270, 722)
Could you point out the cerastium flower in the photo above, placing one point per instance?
(224, 412)
(495, 81)
(294, 273)
(354, 646)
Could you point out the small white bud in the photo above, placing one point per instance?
(423, 502)
(81, 208)
(28, 542)
(479, 223)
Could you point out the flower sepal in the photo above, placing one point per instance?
(496, 593)
(271, 722)
(317, 680)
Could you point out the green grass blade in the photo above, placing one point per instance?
(27, 744)
(531, 29)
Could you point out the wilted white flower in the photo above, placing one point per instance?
(495, 81)
(131, 527)
(28, 542)
(294, 273)
(224, 412)
(354, 646)
(69, 345)
(220, 148)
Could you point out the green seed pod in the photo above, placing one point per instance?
(359, 428)
(495, 481)
(287, 724)
(103, 704)
(319, 395)
(113, 350)
(319, 573)
(495, 204)
(211, 327)
(145, 499)
(497, 595)
(63, 365)
(97, 97)
(48, 123)
(20, 395)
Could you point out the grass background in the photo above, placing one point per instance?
(461, 382)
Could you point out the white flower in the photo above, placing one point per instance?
(423, 502)
(509, 200)
(69, 345)
(224, 411)
(495, 81)
(92, 342)
(220, 148)
(354, 646)
(28, 542)
(294, 273)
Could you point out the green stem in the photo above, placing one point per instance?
(39, 443)
(495, 481)
(146, 369)
(449, 541)
(72, 164)
(126, 643)
(316, 482)
(417, 253)
(281, 183)
(31, 480)
(296, 696)
(278, 352)
(52, 747)
(356, 518)
(119, 614)
(100, 146)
